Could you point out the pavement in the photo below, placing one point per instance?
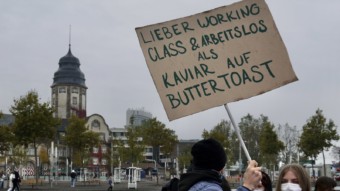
(143, 185)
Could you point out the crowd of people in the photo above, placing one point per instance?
(206, 173)
(14, 180)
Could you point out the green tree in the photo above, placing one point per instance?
(250, 131)
(118, 149)
(170, 142)
(270, 145)
(135, 146)
(6, 138)
(34, 122)
(317, 136)
(155, 134)
(80, 140)
(184, 158)
(290, 137)
(19, 156)
(222, 133)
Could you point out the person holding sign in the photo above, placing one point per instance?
(207, 167)
(252, 177)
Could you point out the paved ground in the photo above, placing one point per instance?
(144, 185)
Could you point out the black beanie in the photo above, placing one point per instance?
(208, 154)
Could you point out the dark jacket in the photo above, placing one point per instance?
(17, 178)
(73, 175)
(191, 178)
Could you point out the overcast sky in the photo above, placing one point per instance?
(34, 35)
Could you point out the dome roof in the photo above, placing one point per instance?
(69, 71)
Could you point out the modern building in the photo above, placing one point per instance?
(136, 117)
(6, 119)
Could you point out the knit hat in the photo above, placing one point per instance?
(208, 154)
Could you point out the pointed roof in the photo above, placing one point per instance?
(69, 71)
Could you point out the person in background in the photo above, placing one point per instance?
(325, 183)
(293, 177)
(16, 181)
(206, 172)
(73, 178)
(265, 184)
(10, 181)
(2, 179)
(110, 182)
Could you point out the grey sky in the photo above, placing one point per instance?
(34, 35)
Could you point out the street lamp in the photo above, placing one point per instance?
(240, 159)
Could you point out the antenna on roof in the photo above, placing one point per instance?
(69, 37)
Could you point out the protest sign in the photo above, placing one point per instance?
(212, 58)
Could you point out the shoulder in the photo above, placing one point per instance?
(206, 185)
(242, 188)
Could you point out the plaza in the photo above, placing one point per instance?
(145, 184)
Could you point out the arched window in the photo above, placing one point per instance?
(95, 124)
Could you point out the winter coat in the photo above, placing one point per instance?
(203, 180)
(11, 178)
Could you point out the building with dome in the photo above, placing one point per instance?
(69, 98)
(68, 88)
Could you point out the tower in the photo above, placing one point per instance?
(68, 88)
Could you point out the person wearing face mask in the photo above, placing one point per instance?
(265, 184)
(293, 177)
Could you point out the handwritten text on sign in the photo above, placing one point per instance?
(215, 57)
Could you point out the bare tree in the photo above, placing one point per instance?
(290, 137)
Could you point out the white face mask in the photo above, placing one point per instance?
(290, 187)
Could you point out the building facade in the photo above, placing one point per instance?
(69, 97)
(68, 88)
(136, 117)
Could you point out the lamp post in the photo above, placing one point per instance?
(240, 159)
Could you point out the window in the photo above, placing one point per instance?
(95, 150)
(103, 149)
(62, 90)
(74, 100)
(30, 151)
(75, 90)
(95, 161)
(95, 124)
(104, 162)
(102, 137)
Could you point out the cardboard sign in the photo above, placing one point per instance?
(223, 55)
